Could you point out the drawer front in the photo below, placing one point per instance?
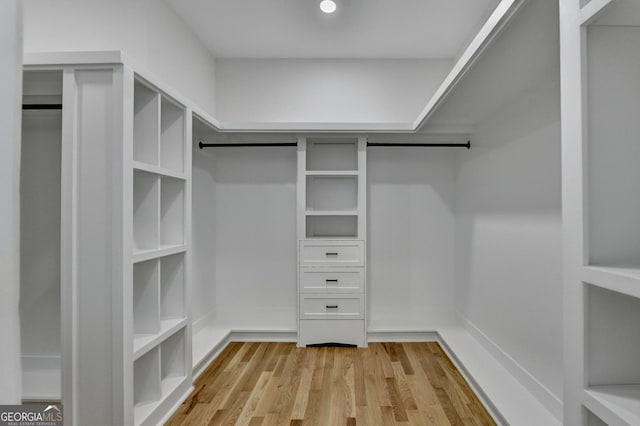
(349, 332)
(336, 253)
(323, 307)
(345, 280)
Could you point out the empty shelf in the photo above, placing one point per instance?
(143, 343)
(614, 404)
(621, 280)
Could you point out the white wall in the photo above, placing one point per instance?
(325, 90)
(245, 268)
(255, 236)
(508, 239)
(40, 233)
(147, 30)
(410, 238)
(11, 88)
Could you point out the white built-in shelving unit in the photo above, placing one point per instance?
(601, 153)
(332, 236)
(161, 330)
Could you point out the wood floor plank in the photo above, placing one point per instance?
(253, 384)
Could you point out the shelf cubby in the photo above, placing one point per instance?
(332, 154)
(613, 193)
(146, 203)
(172, 144)
(172, 286)
(332, 193)
(146, 124)
(613, 341)
(172, 209)
(147, 389)
(323, 226)
(172, 354)
(146, 299)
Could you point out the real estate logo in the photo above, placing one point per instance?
(31, 415)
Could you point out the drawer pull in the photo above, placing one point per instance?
(332, 281)
(331, 254)
(332, 306)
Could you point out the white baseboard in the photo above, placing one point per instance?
(473, 384)
(41, 377)
(264, 336)
(528, 380)
(401, 336)
(214, 347)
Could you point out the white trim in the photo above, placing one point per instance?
(528, 380)
(475, 387)
(101, 57)
(377, 336)
(592, 10)
(513, 402)
(319, 127)
(216, 347)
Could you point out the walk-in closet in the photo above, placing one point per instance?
(321, 212)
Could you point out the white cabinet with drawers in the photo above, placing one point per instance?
(331, 297)
(332, 241)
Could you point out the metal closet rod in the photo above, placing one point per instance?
(214, 145)
(40, 107)
(427, 145)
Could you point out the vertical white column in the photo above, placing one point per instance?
(301, 187)
(10, 130)
(572, 208)
(96, 385)
(362, 188)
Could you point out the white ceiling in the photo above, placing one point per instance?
(358, 29)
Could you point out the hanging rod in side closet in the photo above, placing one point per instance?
(426, 145)
(41, 107)
(231, 145)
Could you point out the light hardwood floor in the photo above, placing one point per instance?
(280, 384)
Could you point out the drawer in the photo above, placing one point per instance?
(320, 306)
(350, 332)
(331, 253)
(337, 280)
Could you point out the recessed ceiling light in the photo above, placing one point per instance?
(328, 6)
